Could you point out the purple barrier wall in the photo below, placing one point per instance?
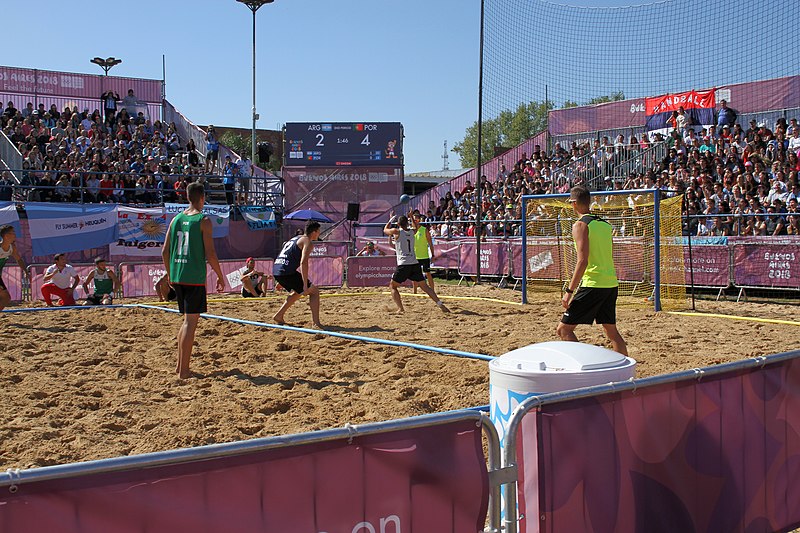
(544, 260)
(717, 454)
(27, 81)
(371, 271)
(447, 254)
(139, 279)
(232, 270)
(430, 479)
(494, 258)
(332, 249)
(381, 243)
(711, 266)
(326, 271)
(750, 97)
(12, 278)
(37, 275)
(765, 265)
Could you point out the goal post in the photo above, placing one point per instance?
(647, 244)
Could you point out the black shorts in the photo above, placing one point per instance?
(592, 304)
(97, 299)
(425, 264)
(2, 285)
(292, 282)
(246, 293)
(191, 298)
(404, 272)
(213, 155)
(171, 295)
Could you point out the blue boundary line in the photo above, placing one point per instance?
(347, 336)
(374, 340)
(63, 308)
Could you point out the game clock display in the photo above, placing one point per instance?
(343, 144)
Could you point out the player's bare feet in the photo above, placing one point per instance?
(317, 325)
(443, 308)
(279, 320)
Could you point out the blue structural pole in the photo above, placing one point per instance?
(524, 230)
(657, 250)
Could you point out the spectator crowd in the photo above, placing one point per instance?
(113, 156)
(736, 181)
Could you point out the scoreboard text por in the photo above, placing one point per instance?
(336, 144)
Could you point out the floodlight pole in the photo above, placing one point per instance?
(254, 5)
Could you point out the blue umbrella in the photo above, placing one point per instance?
(307, 214)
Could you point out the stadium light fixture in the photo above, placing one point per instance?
(106, 64)
(254, 6)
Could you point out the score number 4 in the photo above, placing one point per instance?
(321, 140)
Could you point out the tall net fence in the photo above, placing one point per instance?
(609, 82)
(642, 262)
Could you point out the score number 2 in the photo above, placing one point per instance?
(321, 140)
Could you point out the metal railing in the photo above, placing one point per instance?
(10, 157)
(79, 191)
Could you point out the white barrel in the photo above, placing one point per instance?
(549, 367)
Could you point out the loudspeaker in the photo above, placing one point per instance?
(353, 211)
(264, 152)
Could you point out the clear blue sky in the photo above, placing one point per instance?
(409, 61)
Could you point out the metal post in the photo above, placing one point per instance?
(524, 231)
(254, 8)
(478, 225)
(657, 250)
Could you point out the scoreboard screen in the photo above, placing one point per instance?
(337, 144)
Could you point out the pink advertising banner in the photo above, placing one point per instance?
(419, 480)
(47, 82)
(139, 279)
(760, 265)
(326, 271)
(710, 265)
(37, 275)
(447, 254)
(721, 453)
(332, 249)
(381, 243)
(12, 278)
(374, 271)
(494, 258)
(544, 260)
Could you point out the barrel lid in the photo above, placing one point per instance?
(558, 356)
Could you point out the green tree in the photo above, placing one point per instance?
(241, 145)
(508, 128)
(569, 103)
(613, 97)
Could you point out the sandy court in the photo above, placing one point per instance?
(90, 384)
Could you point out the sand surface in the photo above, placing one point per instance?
(98, 383)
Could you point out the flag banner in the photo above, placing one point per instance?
(9, 215)
(219, 215)
(70, 227)
(141, 232)
(259, 218)
(699, 105)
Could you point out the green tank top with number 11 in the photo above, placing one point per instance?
(187, 253)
